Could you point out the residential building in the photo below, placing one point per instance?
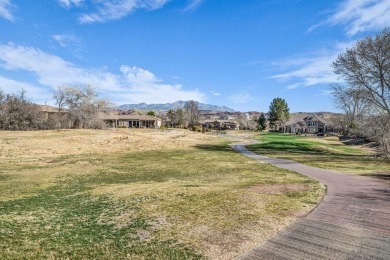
(131, 121)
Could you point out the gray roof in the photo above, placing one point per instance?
(303, 117)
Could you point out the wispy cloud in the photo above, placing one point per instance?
(69, 3)
(360, 16)
(132, 84)
(240, 98)
(215, 93)
(70, 42)
(193, 4)
(5, 10)
(13, 86)
(310, 69)
(116, 9)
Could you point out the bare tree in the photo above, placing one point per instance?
(59, 96)
(367, 66)
(84, 105)
(192, 112)
(19, 113)
(353, 102)
(366, 69)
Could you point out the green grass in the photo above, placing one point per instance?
(185, 203)
(327, 153)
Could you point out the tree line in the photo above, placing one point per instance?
(78, 107)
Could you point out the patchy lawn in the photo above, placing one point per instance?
(139, 194)
(328, 153)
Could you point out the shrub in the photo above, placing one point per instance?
(197, 128)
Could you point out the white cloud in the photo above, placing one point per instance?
(133, 84)
(215, 93)
(192, 4)
(5, 10)
(68, 3)
(64, 40)
(71, 43)
(138, 76)
(241, 98)
(360, 15)
(146, 87)
(116, 9)
(51, 70)
(310, 70)
(326, 92)
(11, 86)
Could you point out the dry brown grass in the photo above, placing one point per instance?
(38, 144)
(161, 185)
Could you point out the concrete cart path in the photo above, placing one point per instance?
(352, 221)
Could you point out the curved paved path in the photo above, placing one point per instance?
(352, 221)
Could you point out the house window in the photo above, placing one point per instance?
(134, 123)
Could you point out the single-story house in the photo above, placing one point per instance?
(131, 121)
(220, 124)
(47, 110)
(308, 123)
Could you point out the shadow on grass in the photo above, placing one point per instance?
(380, 176)
(279, 148)
(215, 147)
(284, 147)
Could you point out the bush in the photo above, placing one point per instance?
(197, 128)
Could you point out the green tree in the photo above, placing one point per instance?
(151, 113)
(180, 117)
(171, 114)
(262, 122)
(278, 113)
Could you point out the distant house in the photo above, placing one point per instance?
(308, 123)
(131, 121)
(48, 111)
(220, 124)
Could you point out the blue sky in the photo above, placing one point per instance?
(240, 54)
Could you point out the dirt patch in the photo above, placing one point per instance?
(279, 188)
(54, 161)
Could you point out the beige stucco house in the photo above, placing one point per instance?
(132, 121)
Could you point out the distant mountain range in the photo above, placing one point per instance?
(177, 104)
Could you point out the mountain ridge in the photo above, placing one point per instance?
(174, 105)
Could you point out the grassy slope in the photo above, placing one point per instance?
(327, 153)
(175, 203)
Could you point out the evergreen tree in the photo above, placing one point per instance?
(278, 113)
(151, 113)
(262, 123)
